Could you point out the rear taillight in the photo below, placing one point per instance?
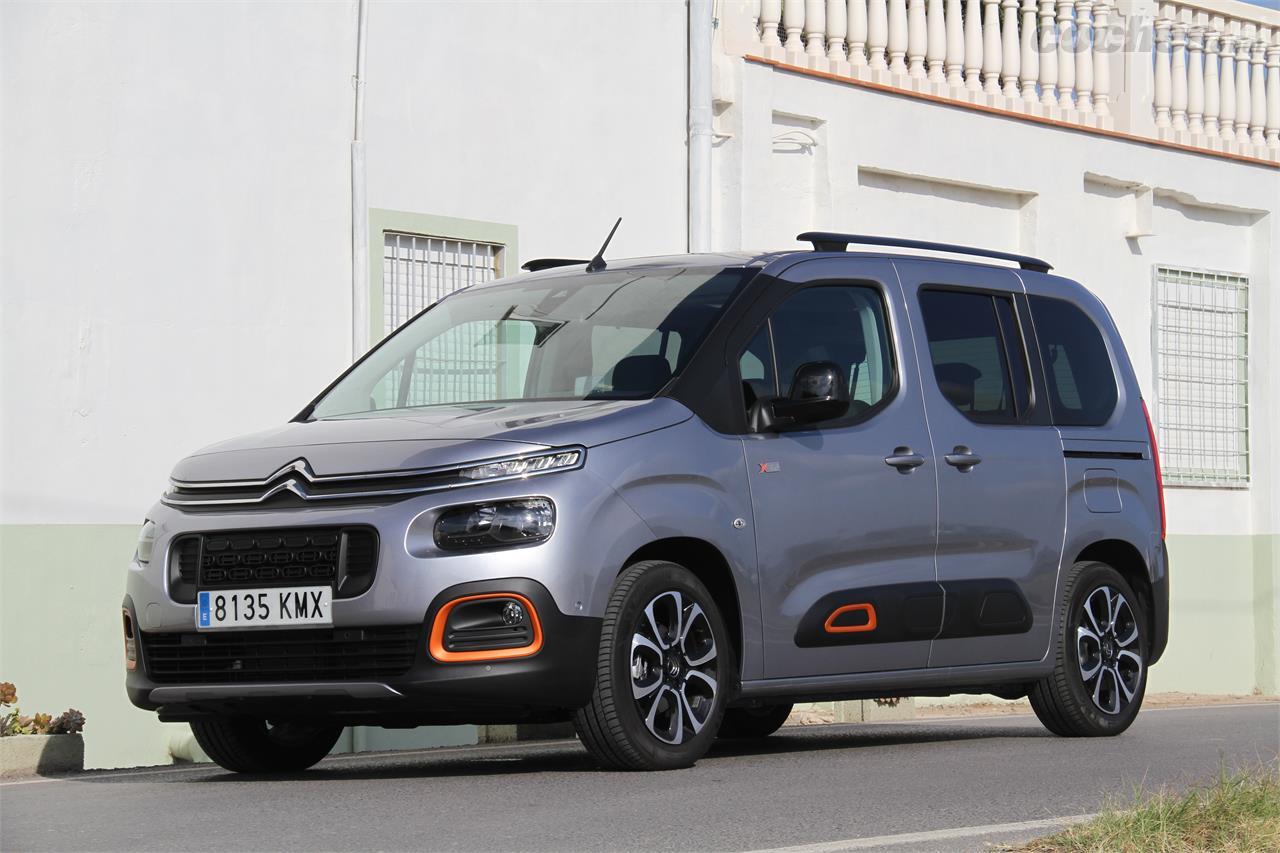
(1155, 458)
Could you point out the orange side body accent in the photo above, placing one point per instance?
(831, 628)
(435, 644)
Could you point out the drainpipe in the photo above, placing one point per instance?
(359, 206)
(700, 34)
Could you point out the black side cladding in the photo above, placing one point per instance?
(984, 607)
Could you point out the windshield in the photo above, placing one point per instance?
(606, 335)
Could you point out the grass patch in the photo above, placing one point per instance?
(1238, 812)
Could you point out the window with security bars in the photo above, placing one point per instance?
(1202, 347)
(419, 270)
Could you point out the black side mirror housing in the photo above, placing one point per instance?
(818, 393)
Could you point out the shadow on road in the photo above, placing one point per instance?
(570, 757)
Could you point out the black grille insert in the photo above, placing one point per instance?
(327, 654)
(342, 557)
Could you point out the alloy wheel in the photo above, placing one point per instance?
(1109, 649)
(674, 667)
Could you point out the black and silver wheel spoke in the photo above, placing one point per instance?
(673, 667)
(1108, 650)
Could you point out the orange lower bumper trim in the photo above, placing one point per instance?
(435, 644)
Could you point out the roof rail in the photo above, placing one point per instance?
(549, 263)
(830, 241)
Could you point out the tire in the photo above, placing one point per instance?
(635, 720)
(250, 745)
(753, 723)
(1100, 673)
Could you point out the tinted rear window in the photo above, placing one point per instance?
(1082, 385)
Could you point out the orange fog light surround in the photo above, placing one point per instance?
(831, 628)
(130, 642)
(435, 645)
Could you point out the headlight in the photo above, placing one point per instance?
(557, 461)
(496, 525)
(146, 541)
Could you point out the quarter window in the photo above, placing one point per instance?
(844, 324)
(971, 338)
(1082, 384)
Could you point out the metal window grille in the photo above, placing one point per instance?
(1202, 358)
(462, 364)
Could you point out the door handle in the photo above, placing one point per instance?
(962, 458)
(904, 459)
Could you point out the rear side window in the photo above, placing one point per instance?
(977, 354)
(1082, 384)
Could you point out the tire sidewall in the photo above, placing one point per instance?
(661, 578)
(1092, 576)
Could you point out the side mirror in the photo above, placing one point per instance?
(818, 393)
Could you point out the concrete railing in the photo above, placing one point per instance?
(1205, 75)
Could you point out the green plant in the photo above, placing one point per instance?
(13, 722)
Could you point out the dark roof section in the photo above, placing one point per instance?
(549, 263)
(830, 241)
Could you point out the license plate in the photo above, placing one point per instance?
(264, 608)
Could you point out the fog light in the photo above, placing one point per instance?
(130, 643)
(512, 613)
(495, 525)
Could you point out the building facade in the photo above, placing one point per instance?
(203, 222)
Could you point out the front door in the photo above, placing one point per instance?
(845, 510)
(1001, 476)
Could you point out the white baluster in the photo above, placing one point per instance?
(897, 36)
(917, 38)
(858, 32)
(1011, 54)
(991, 49)
(936, 51)
(793, 25)
(1258, 84)
(753, 9)
(877, 33)
(1244, 101)
(1101, 58)
(973, 45)
(1164, 82)
(1030, 52)
(770, 18)
(1066, 56)
(1178, 72)
(837, 29)
(1273, 91)
(1084, 56)
(955, 44)
(1212, 96)
(1195, 79)
(1048, 55)
(815, 27)
(1227, 83)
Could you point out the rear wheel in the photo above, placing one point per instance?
(251, 745)
(1100, 676)
(753, 723)
(663, 672)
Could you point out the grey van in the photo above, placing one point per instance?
(667, 498)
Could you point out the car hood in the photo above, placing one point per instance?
(427, 438)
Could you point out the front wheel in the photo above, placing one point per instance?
(1100, 673)
(251, 745)
(664, 670)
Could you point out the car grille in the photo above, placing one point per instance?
(342, 557)
(329, 654)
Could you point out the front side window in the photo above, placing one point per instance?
(977, 354)
(1082, 384)
(608, 335)
(841, 324)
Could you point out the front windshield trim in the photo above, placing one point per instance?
(740, 275)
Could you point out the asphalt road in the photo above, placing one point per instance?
(818, 789)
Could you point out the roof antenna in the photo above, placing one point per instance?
(597, 263)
